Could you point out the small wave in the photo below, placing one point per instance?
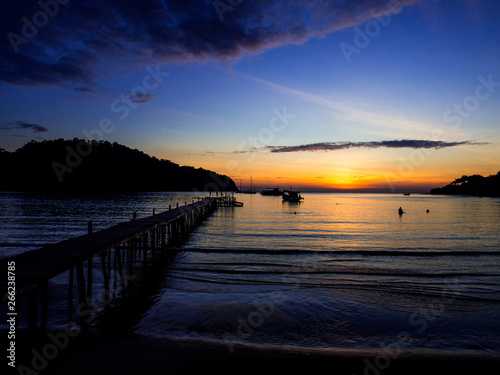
(361, 350)
(399, 252)
(358, 285)
(18, 244)
(298, 271)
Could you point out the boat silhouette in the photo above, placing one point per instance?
(292, 196)
(272, 191)
(252, 188)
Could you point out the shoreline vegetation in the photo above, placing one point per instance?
(99, 166)
(475, 185)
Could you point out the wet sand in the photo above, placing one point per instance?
(134, 354)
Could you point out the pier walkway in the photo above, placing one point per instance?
(33, 269)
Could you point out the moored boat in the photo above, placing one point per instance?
(272, 191)
(252, 188)
(292, 196)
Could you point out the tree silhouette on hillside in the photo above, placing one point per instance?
(472, 185)
(80, 165)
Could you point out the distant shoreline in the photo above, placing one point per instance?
(475, 185)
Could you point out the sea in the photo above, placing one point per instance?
(337, 270)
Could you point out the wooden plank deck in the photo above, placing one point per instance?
(36, 267)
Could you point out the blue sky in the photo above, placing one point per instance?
(269, 74)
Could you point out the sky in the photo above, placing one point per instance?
(365, 95)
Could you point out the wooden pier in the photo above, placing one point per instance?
(34, 269)
(228, 201)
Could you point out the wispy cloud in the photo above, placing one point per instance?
(21, 125)
(405, 143)
(69, 52)
(355, 114)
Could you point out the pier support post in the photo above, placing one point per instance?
(81, 295)
(144, 248)
(81, 283)
(118, 256)
(131, 253)
(89, 277)
(105, 274)
(163, 235)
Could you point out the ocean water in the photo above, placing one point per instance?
(334, 271)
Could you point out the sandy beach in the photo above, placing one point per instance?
(135, 354)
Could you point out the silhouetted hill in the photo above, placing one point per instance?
(80, 165)
(472, 185)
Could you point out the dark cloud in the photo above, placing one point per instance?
(81, 41)
(21, 125)
(140, 98)
(405, 143)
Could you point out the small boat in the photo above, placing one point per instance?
(406, 194)
(252, 188)
(292, 196)
(272, 191)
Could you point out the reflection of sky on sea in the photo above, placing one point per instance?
(357, 222)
